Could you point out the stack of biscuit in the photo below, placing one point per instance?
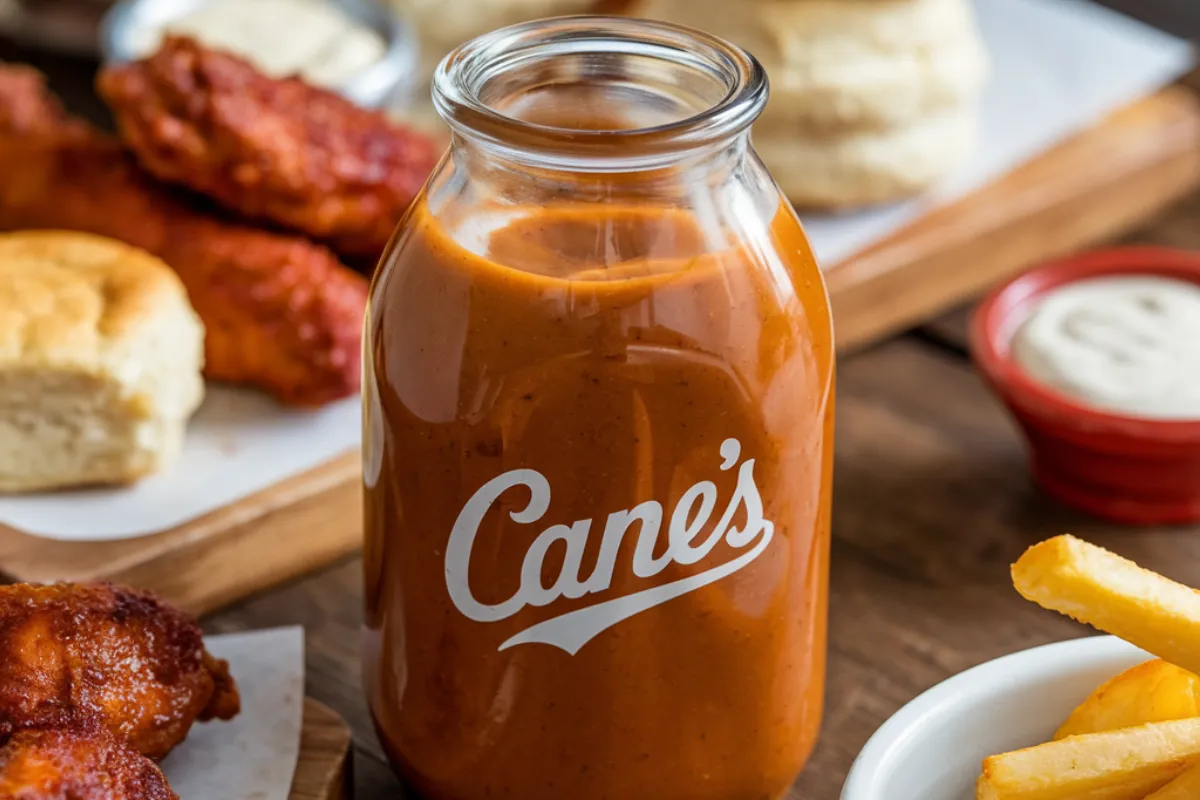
(871, 100)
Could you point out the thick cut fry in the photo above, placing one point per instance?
(1115, 765)
(1152, 692)
(1111, 593)
(1185, 787)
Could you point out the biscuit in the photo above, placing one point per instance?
(868, 167)
(878, 92)
(845, 64)
(100, 359)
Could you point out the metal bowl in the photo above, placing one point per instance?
(387, 84)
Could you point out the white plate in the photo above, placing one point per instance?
(932, 748)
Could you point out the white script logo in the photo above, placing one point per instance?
(574, 629)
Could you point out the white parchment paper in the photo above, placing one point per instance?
(254, 756)
(240, 442)
(1058, 66)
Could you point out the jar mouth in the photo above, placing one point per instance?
(604, 92)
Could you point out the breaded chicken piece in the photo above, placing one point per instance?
(77, 765)
(281, 313)
(272, 149)
(102, 657)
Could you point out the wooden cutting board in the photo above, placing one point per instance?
(1092, 188)
(301, 524)
(323, 771)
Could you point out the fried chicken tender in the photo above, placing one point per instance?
(272, 149)
(281, 313)
(101, 657)
(77, 765)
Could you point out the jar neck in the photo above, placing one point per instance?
(600, 95)
(665, 178)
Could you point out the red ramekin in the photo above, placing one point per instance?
(1127, 469)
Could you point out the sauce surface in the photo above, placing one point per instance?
(655, 628)
(1128, 344)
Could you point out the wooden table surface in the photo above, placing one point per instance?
(933, 501)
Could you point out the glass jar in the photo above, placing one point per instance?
(598, 434)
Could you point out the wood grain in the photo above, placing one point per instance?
(1176, 227)
(298, 525)
(323, 770)
(932, 502)
(1092, 188)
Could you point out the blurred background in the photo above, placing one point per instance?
(63, 36)
(893, 126)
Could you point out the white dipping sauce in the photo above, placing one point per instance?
(1127, 344)
(310, 38)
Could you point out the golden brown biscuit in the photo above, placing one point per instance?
(100, 359)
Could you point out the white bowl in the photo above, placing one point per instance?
(933, 747)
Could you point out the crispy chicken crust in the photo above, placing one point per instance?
(102, 657)
(281, 313)
(77, 765)
(278, 150)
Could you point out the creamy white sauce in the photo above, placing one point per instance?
(310, 38)
(1127, 344)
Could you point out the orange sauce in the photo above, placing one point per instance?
(614, 352)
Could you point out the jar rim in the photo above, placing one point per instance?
(463, 73)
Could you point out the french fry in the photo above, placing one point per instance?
(1126, 764)
(1151, 692)
(1185, 787)
(1094, 586)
